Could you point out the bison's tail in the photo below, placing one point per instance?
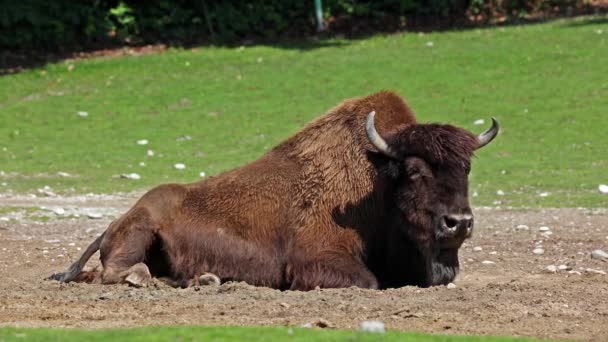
(77, 266)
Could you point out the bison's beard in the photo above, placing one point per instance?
(416, 261)
(443, 267)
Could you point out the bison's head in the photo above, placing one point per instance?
(430, 164)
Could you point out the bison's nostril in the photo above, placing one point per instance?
(450, 222)
(455, 223)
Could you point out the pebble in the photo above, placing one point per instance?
(551, 268)
(479, 122)
(4, 219)
(59, 211)
(544, 229)
(130, 176)
(493, 253)
(603, 188)
(488, 262)
(94, 216)
(83, 114)
(142, 142)
(477, 249)
(63, 174)
(563, 267)
(522, 226)
(500, 193)
(320, 323)
(543, 194)
(285, 305)
(451, 286)
(372, 326)
(105, 296)
(599, 254)
(538, 251)
(591, 270)
(179, 166)
(202, 174)
(429, 44)
(150, 153)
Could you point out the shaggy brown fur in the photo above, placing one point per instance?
(313, 211)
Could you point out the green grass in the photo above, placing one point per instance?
(229, 334)
(546, 84)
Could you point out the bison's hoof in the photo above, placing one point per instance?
(209, 279)
(139, 276)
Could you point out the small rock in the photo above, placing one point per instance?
(564, 267)
(538, 251)
(83, 114)
(179, 166)
(209, 279)
(544, 229)
(551, 268)
(285, 305)
(319, 323)
(4, 219)
(574, 272)
(522, 227)
(59, 211)
(543, 194)
(493, 253)
(63, 174)
(479, 122)
(599, 254)
(94, 216)
(591, 270)
(142, 142)
(603, 188)
(142, 164)
(500, 193)
(184, 138)
(202, 174)
(130, 176)
(488, 262)
(105, 296)
(451, 286)
(429, 44)
(477, 249)
(150, 153)
(372, 326)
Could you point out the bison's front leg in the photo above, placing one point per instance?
(329, 270)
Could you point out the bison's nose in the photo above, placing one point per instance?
(458, 224)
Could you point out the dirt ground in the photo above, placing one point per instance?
(515, 295)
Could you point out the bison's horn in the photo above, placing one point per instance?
(376, 139)
(486, 137)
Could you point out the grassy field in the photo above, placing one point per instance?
(217, 108)
(231, 334)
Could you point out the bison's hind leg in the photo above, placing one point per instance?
(131, 250)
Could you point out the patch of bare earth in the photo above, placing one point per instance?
(514, 295)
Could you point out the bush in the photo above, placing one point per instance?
(52, 25)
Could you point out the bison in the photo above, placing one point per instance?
(363, 196)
